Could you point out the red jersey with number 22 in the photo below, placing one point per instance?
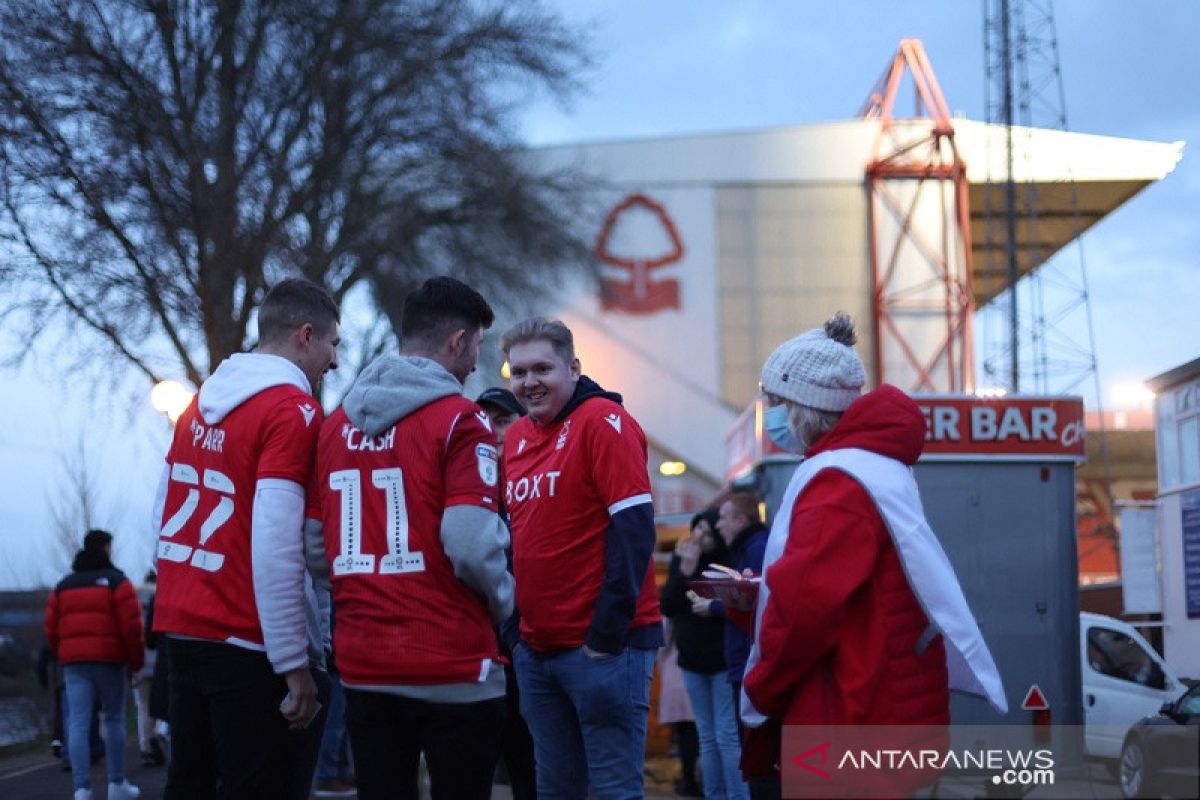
(205, 579)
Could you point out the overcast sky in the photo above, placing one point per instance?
(681, 66)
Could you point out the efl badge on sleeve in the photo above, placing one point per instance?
(485, 458)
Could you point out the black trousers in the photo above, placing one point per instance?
(228, 739)
(388, 733)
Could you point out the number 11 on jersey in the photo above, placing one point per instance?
(351, 560)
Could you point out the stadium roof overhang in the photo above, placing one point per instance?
(1071, 180)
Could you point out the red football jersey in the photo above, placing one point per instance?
(562, 483)
(402, 617)
(205, 582)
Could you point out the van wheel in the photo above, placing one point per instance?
(1132, 775)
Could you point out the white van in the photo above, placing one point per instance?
(1124, 679)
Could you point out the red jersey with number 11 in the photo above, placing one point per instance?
(402, 616)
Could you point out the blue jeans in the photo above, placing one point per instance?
(87, 682)
(587, 717)
(62, 731)
(333, 760)
(716, 723)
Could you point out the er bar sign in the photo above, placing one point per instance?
(1036, 428)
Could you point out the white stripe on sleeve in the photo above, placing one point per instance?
(628, 502)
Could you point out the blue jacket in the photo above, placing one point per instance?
(748, 549)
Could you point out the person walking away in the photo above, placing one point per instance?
(335, 770)
(94, 627)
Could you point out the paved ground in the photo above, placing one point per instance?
(39, 776)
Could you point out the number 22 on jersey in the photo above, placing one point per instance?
(199, 556)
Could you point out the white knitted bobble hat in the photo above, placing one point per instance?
(818, 368)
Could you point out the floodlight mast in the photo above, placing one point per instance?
(918, 220)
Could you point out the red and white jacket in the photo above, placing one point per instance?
(839, 640)
(94, 616)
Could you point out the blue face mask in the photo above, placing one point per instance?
(775, 418)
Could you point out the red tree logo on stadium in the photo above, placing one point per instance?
(638, 237)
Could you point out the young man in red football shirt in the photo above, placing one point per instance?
(403, 508)
(232, 596)
(577, 490)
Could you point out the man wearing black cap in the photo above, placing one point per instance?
(503, 409)
(516, 744)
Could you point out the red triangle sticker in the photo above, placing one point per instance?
(1034, 700)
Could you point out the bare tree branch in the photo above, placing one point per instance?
(163, 161)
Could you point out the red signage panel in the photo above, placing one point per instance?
(958, 427)
(1036, 428)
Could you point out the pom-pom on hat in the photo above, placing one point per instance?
(818, 368)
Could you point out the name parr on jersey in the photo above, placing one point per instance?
(207, 438)
(358, 441)
(531, 487)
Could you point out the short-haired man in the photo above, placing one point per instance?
(516, 745)
(502, 409)
(232, 596)
(403, 514)
(739, 524)
(578, 493)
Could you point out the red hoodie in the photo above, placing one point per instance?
(839, 635)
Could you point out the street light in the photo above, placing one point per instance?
(669, 469)
(170, 398)
(1131, 395)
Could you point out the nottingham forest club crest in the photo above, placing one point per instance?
(638, 238)
(485, 459)
(562, 436)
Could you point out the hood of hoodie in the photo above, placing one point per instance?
(884, 421)
(394, 386)
(240, 377)
(586, 389)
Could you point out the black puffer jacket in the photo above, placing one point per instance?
(700, 640)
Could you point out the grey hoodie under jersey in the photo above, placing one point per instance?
(474, 539)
